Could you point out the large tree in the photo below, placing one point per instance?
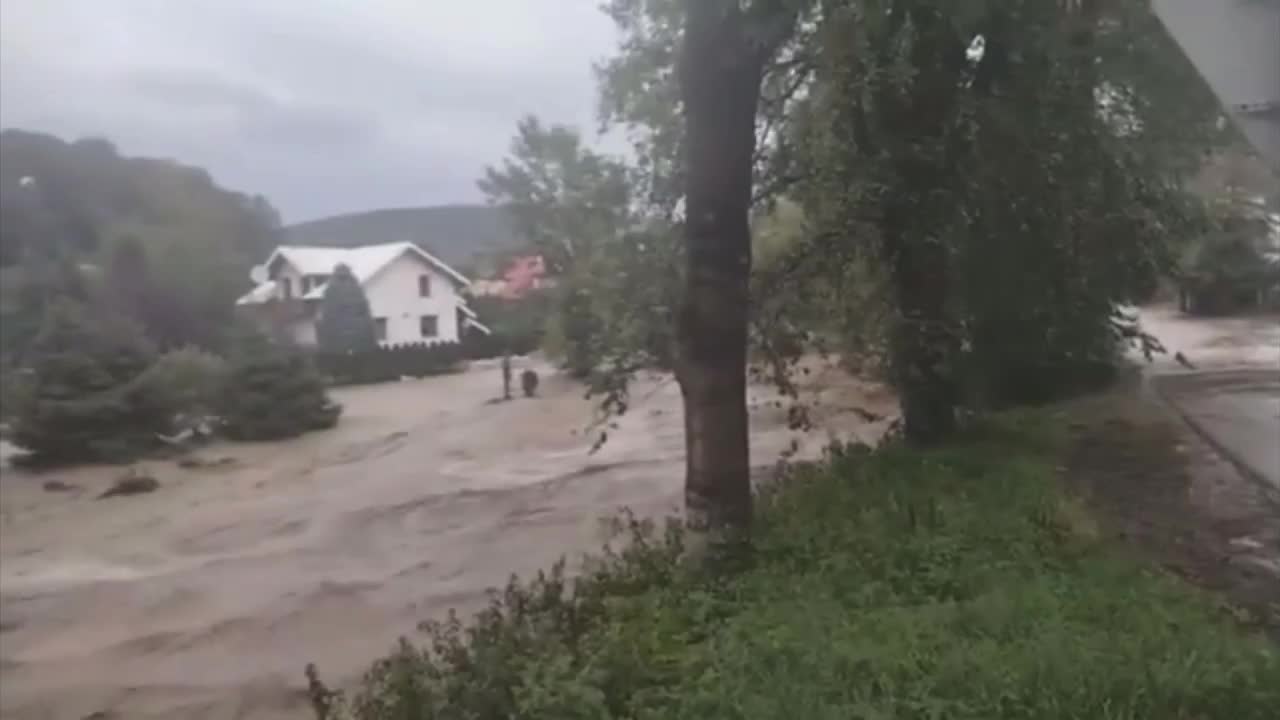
(345, 324)
(87, 398)
(569, 203)
(725, 49)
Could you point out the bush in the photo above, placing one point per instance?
(86, 399)
(517, 326)
(273, 392)
(889, 584)
(188, 380)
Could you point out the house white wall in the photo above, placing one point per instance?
(393, 294)
(285, 271)
(303, 332)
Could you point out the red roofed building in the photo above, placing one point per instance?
(522, 276)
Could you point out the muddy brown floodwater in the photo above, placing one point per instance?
(206, 598)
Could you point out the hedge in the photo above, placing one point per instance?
(391, 362)
(417, 360)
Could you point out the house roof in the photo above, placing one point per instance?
(365, 262)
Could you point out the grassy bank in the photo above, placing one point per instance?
(958, 583)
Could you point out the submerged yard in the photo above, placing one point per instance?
(207, 597)
(1002, 577)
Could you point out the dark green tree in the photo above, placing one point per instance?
(345, 324)
(571, 205)
(564, 199)
(273, 392)
(86, 398)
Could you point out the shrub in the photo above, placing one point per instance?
(86, 399)
(517, 325)
(188, 380)
(580, 329)
(273, 392)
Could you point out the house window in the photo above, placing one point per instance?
(429, 325)
(286, 288)
(380, 329)
(311, 282)
(424, 286)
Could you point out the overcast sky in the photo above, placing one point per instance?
(324, 106)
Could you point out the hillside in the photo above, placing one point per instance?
(458, 234)
(82, 204)
(77, 198)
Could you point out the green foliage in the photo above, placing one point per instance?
(615, 263)
(1227, 268)
(638, 90)
(188, 381)
(580, 330)
(170, 246)
(345, 324)
(1036, 185)
(564, 200)
(517, 326)
(166, 308)
(953, 583)
(15, 388)
(26, 296)
(273, 392)
(87, 399)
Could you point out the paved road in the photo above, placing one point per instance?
(1237, 411)
(1231, 395)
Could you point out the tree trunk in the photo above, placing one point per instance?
(917, 210)
(720, 76)
(923, 345)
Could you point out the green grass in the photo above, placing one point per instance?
(958, 583)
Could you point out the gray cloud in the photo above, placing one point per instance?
(325, 106)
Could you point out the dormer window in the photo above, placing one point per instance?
(311, 282)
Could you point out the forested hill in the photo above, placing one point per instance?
(189, 243)
(81, 196)
(458, 234)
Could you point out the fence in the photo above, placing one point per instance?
(410, 360)
(391, 363)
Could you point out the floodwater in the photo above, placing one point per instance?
(206, 598)
(1213, 343)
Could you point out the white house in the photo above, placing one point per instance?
(414, 297)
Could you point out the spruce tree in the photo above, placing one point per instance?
(345, 324)
(87, 400)
(273, 392)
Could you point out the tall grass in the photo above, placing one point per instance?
(958, 583)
